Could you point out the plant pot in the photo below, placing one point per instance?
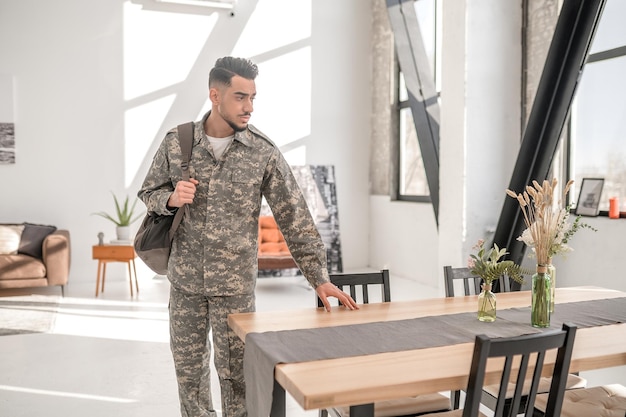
(123, 232)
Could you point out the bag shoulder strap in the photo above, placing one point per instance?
(185, 138)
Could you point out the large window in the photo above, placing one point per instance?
(598, 130)
(412, 183)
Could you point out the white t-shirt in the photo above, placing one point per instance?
(219, 145)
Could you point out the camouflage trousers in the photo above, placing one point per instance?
(192, 316)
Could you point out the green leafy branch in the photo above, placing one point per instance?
(489, 267)
(576, 226)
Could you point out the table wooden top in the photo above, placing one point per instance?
(366, 379)
(313, 318)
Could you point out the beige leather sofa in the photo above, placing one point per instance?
(46, 264)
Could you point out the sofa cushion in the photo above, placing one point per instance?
(271, 236)
(21, 267)
(601, 401)
(32, 239)
(271, 240)
(10, 235)
(273, 250)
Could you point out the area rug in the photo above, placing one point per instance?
(28, 314)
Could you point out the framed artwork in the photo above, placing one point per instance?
(589, 196)
(7, 143)
(7, 126)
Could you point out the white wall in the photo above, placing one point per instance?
(99, 82)
(596, 259)
(404, 239)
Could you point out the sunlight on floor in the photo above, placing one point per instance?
(65, 394)
(125, 320)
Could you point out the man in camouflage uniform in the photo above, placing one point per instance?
(213, 263)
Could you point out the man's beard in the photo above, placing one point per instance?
(233, 125)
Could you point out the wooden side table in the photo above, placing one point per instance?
(115, 253)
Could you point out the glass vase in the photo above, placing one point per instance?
(541, 290)
(486, 304)
(552, 273)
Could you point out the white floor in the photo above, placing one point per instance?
(109, 356)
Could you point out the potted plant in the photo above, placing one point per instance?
(547, 233)
(489, 265)
(124, 217)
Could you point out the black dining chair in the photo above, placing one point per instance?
(471, 283)
(363, 281)
(522, 356)
(402, 407)
(471, 286)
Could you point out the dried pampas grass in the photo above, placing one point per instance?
(543, 215)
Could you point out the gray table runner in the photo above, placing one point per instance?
(264, 350)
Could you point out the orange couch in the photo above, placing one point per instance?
(273, 251)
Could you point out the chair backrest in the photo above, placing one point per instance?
(363, 280)
(520, 353)
(471, 283)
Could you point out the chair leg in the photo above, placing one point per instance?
(455, 398)
(323, 413)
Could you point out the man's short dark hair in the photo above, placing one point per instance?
(227, 67)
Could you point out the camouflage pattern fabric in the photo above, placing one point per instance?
(214, 252)
(218, 236)
(191, 316)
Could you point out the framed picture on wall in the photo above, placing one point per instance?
(7, 126)
(589, 196)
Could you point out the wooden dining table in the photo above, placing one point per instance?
(361, 380)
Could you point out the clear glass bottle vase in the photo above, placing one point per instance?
(486, 304)
(541, 295)
(552, 273)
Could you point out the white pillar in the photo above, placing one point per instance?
(480, 123)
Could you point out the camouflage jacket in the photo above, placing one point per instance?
(215, 248)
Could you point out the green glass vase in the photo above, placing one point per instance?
(552, 273)
(486, 304)
(541, 295)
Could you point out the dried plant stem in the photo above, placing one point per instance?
(540, 311)
(537, 207)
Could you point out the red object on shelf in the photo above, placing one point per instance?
(614, 208)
